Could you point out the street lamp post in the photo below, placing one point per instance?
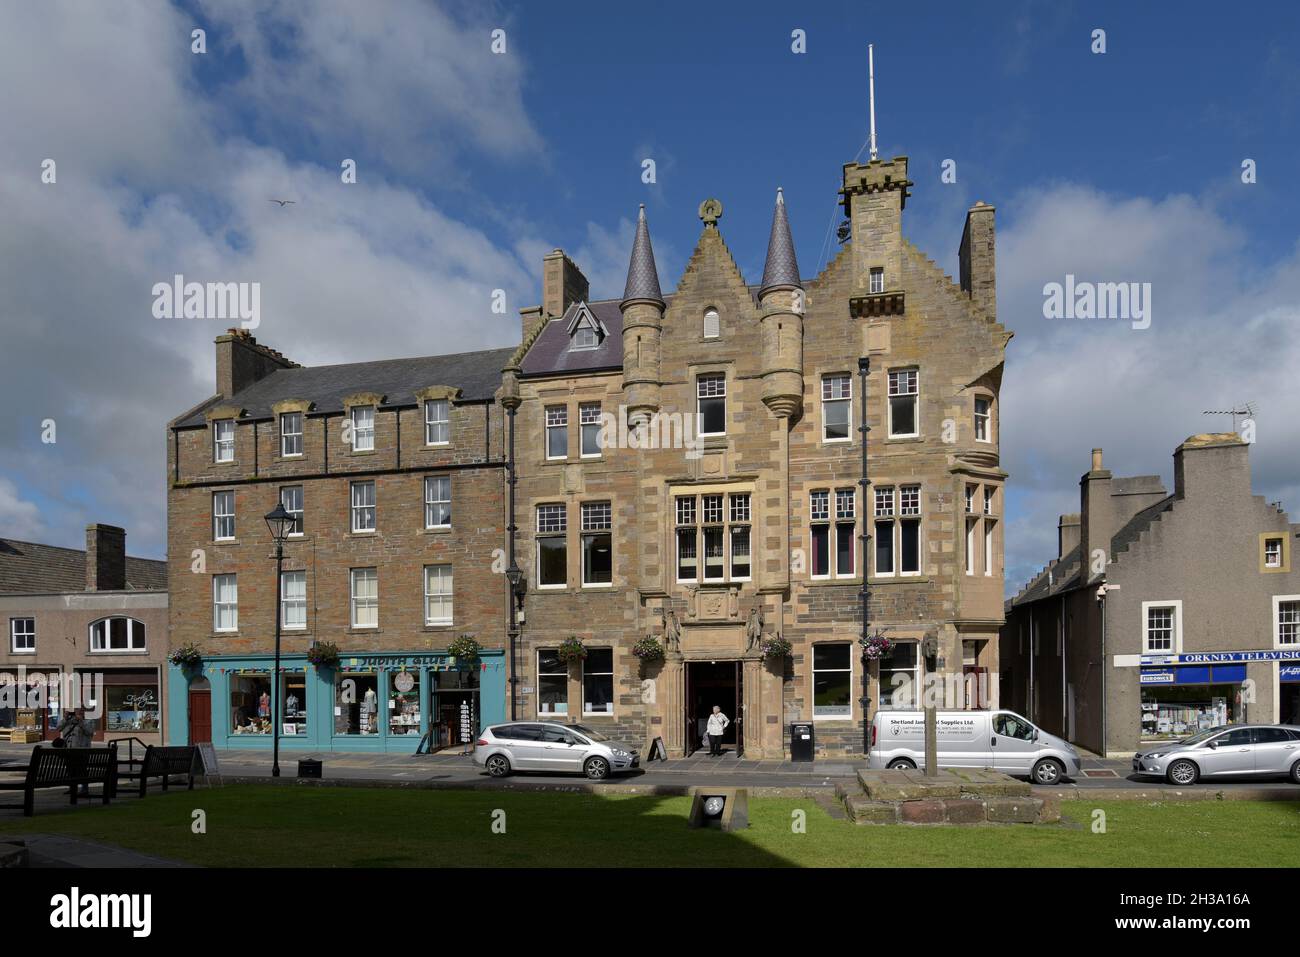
(280, 523)
(517, 590)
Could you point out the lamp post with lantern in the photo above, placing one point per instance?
(280, 522)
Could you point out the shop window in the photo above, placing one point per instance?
(356, 703)
(437, 422)
(117, 634)
(1286, 621)
(552, 547)
(22, 635)
(455, 708)
(598, 681)
(597, 544)
(832, 680)
(250, 703)
(130, 700)
(293, 600)
(1182, 709)
(404, 704)
(293, 705)
(899, 676)
(552, 683)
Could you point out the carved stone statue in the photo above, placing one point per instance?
(754, 628)
(672, 630)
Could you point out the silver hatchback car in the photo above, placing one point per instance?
(1250, 750)
(548, 746)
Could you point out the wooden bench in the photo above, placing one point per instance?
(70, 768)
(161, 764)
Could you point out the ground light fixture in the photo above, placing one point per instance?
(726, 809)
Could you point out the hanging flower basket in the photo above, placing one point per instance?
(465, 647)
(775, 649)
(572, 649)
(648, 649)
(324, 654)
(186, 656)
(877, 647)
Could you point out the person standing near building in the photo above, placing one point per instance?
(74, 730)
(717, 725)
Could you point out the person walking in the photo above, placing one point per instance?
(717, 725)
(76, 733)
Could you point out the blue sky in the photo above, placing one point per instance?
(1123, 166)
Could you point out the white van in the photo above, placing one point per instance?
(1001, 740)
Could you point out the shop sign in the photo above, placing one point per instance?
(1219, 674)
(404, 682)
(1289, 673)
(1215, 657)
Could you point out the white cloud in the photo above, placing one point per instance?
(1222, 332)
(19, 518)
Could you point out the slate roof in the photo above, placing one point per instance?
(30, 569)
(781, 268)
(476, 374)
(550, 352)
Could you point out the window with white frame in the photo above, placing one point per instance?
(363, 428)
(291, 499)
(832, 680)
(223, 440)
(711, 325)
(713, 535)
(552, 547)
(223, 516)
(552, 682)
(225, 603)
(291, 433)
(586, 335)
(972, 543)
(714, 525)
(1286, 621)
(437, 421)
(22, 635)
(909, 530)
(877, 277)
(1272, 553)
(971, 491)
(819, 516)
(117, 634)
(293, 600)
(904, 393)
(363, 506)
(846, 514)
(738, 534)
(597, 544)
(589, 425)
(688, 562)
(437, 594)
(437, 501)
(900, 676)
(990, 493)
(557, 432)
(1162, 627)
(711, 403)
(365, 598)
(598, 681)
(837, 402)
(990, 531)
(885, 509)
(983, 416)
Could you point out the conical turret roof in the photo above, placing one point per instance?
(781, 268)
(642, 276)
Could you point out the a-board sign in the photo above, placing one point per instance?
(208, 754)
(657, 751)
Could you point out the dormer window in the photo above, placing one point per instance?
(585, 330)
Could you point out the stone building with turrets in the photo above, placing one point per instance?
(690, 474)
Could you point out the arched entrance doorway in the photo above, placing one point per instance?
(200, 711)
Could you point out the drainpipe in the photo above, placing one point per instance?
(1065, 685)
(1105, 704)
(865, 539)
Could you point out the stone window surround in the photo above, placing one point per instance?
(1177, 605)
(983, 393)
(432, 393)
(224, 413)
(1285, 538)
(359, 400)
(895, 517)
(726, 489)
(818, 377)
(854, 682)
(301, 406)
(1277, 624)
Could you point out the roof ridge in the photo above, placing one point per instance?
(79, 551)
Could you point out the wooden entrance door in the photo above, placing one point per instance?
(200, 716)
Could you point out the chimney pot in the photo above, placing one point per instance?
(1096, 460)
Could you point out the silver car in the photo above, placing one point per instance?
(1250, 750)
(549, 746)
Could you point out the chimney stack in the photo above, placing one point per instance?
(105, 558)
(1212, 464)
(241, 361)
(1067, 534)
(1098, 522)
(976, 258)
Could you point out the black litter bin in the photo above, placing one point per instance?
(801, 741)
(309, 768)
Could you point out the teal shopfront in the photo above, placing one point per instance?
(368, 702)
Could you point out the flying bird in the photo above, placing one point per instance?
(283, 202)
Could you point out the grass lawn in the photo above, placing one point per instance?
(253, 825)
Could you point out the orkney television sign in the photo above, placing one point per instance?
(1222, 657)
